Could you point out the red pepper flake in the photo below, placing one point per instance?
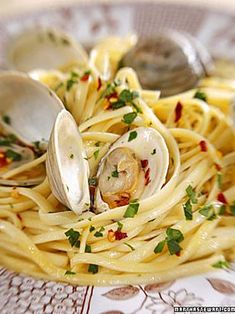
(221, 198)
(147, 176)
(203, 146)
(85, 77)
(218, 167)
(99, 84)
(116, 235)
(178, 111)
(123, 200)
(177, 254)
(113, 95)
(144, 163)
(119, 235)
(3, 160)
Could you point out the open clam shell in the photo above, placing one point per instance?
(171, 62)
(135, 167)
(28, 109)
(43, 48)
(66, 164)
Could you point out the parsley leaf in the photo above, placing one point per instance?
(232, 208)
(200, 95)
(118, 104)
(154, 151)
(88, 248)
(68, 272)
(191, 194)
(96, 153)
(132, 136)
(120, 225)
(6, 119)
(93, 268)
(71, 156)
(127, 96)
(92, 228)
(73, 237)
(99, 234)
(174, 234)
(128, 118)
(219, 179)
(70, 83)
(160, 247)
(131, 210)
(207, 211)
(14, 156)
(173, 247)
(221, 264)
(188, 210)
(115, 174)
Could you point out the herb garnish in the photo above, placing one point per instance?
(6, 119)
(128, 118)
(120, 225)
(208, 212)
(88, 248)
(73, 237)
(154, 151)
(132, 136)
(99, 234)
(96, 153)
(71, 156)
(93, 181)
(173, 238)
(131, 210)
(188, 210)
(92, 228)
(200, 95)
(93, 268)
(14, 156)
(69, 272)
(232, 208)
(219, 179)
(115, 173)
(221, 264)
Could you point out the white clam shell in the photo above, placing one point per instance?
(67, 165)
(31, 107)
(43, 48)
(148, 140)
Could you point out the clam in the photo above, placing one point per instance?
(28, 110)
(43, 48)
(171, 62)
(66, 164)
(135, 167)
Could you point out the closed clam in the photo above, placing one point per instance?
(171, 62)
(28, 110)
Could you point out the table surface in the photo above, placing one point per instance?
(11, 7)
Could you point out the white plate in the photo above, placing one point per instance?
(22, 294)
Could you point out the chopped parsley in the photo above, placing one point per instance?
(92, 228)
(73, 237)
(14, 156)
(131, 210)
(65, 41)
(69, 272)
(232, 208)
(61, 84)
(219, 179)
(221, 264)
(154, 151)
(173, 238)
(222, 209)
(97, 144)
(188, 210)
(160, 247)
(96, 153)
(115, 173)
(200, 95)
(120, 225)
(92, 268)
(128, 118)
(6, 119)
(70, 82)
(8, 140)
(71, 156)
(93, 181)
(132, 136)
(88, 248)
(99, 234)
(118, 104)
(191, 194)
(208, 212)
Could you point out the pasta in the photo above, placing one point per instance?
(185, 228)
